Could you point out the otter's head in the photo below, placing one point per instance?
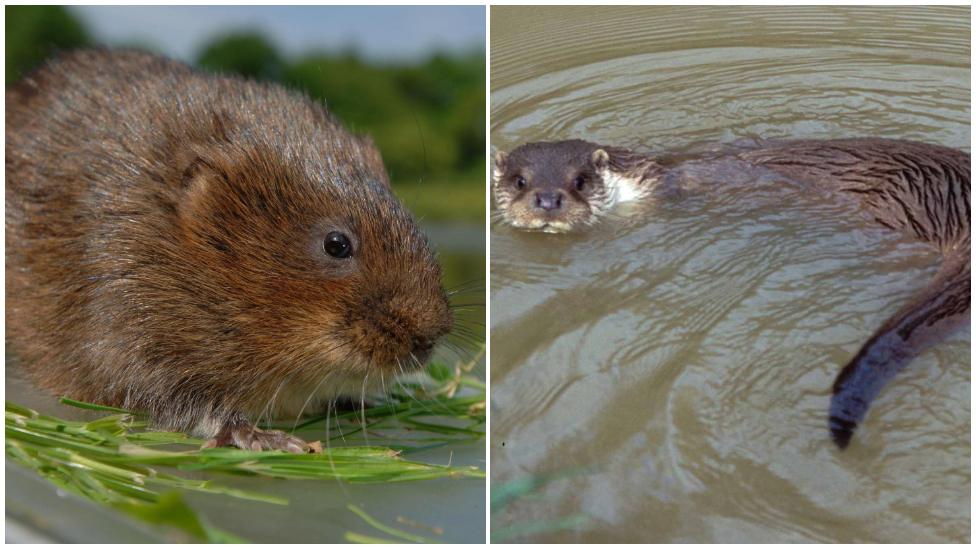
(564, 185)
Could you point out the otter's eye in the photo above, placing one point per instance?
(519, 182)
(337, 245)
(579, 182)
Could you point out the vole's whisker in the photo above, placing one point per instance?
(268, 409)
(453, 349)
(463, 354)
(315, 389)
(470, 302)
(362, 407)
(466, 285)
(466, 336)
(471, 325)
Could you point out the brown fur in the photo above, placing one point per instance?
(918, 188)
(164, 234)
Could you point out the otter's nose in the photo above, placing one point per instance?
(549, 200)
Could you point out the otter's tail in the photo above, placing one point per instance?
(924, 321)
(917, 188)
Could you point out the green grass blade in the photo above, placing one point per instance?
(114, 460)
(389, 530)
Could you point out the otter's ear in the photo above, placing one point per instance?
(501, 164)
(600, 159)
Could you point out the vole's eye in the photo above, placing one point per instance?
(579, 182)
(337, 245)
(519, 182)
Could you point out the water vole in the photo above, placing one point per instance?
(918, 188)
(203, 248)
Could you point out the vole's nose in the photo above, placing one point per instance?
(422, 344)
(422, 349)
(549, 200)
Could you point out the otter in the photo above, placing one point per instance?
(917, 188)
(209, 250)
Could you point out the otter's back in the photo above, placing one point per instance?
(920, 188)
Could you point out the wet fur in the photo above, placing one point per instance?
(163, 246)
(917, 188)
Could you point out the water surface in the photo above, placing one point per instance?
(673, 368)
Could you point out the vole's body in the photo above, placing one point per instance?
(164, 236)
(917, 188)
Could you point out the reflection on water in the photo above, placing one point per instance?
(684, 356)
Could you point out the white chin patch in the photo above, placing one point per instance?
(546, 226)
(556, 227)
(552, 226)
(622, 188)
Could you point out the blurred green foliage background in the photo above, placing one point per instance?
(427, 116)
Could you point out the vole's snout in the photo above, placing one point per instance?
(400, 331)
(425, 338)
(549, 200)
(422, 344)
(418, 348)
(423, 347)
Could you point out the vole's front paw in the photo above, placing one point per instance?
(245, 436)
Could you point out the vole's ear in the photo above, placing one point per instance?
(501, 164)
(193, 169)
(192, 181)
(198, 171)
(190, 166)
(373, 159)
(600, 159)
(194, 159)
